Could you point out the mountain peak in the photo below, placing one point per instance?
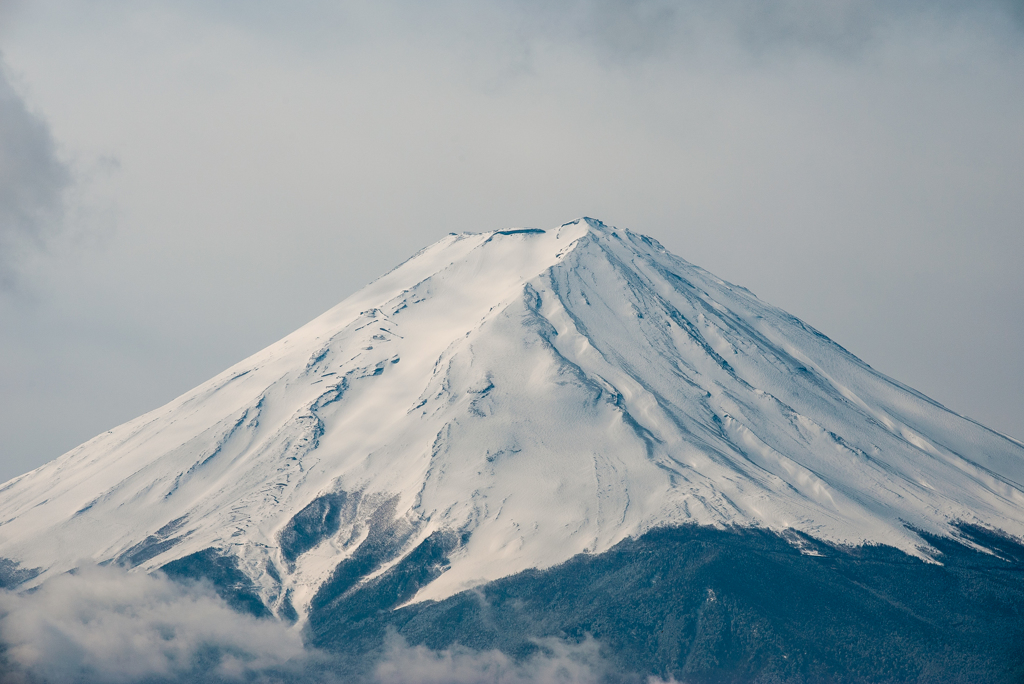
(593, 223)
(511, 399)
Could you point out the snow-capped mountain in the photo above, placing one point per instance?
(529, 395)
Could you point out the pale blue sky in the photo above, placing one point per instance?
(196, 181)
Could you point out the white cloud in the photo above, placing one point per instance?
(107, 625)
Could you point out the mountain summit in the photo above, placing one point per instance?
(504, 401)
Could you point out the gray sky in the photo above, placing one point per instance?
(183, 183)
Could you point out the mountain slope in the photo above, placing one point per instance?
(505, 401)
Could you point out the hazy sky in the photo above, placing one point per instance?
(183, 183)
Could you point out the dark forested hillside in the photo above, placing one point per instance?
(740, 605)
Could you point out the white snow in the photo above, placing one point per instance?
(550, 393)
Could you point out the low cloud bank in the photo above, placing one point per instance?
(103, 625)
(107, 625)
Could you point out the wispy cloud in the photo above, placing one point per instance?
(624, 31)
(555, 662)
(33, 179)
